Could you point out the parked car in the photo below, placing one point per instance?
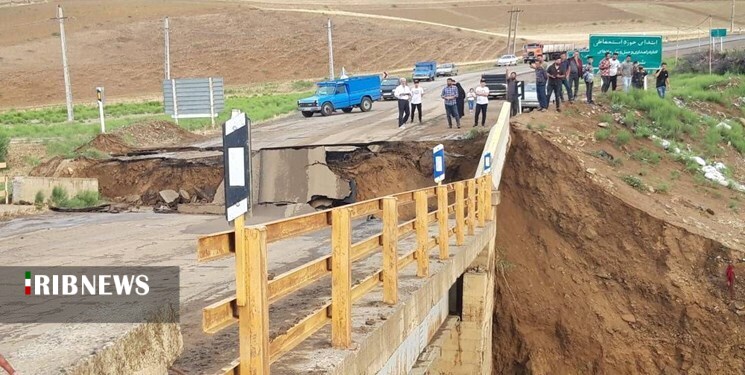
(530, 101)
(506, 60)
(387, 86)
(447, 70)
(497, 84)
(425, 70)
(344, 94)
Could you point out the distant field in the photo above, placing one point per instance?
(118, 44)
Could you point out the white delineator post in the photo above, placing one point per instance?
(99, 96)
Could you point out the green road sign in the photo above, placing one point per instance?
(647, 50)
(718, 33)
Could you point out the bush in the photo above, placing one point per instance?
(602, 134)
(647, 156)
(634, 182)
(4, 145)
(725, 62)
(39, 199)
(59, 196)
(623, 137)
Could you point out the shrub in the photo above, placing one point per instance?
(646, 156)
(634, 182)
(4, 145)
(602, 134)
(606, 118)
(623, 137)
(662, 188)
(39, 199)
(59, 196)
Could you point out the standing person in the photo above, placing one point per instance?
(565, 81)
(640, 75)
(730, 274)
(615, 67)
(403, 94)
(663, 80)
(482, 101)
(541, 78)
(450, 97)
(471, 97)
(555, 76)
(574, 71)
(416, 101)
(604, 69)
(588, 77)
(627, 72)
(461, 99)
(5, 365)
(512, 92)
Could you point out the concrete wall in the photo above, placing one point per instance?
(25, 188)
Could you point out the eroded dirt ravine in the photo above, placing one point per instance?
(589, 284)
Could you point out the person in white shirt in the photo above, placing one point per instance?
(482, 101)
(403, 94)
(416, 101)
(615, 65)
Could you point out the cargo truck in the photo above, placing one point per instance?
(547, 51)
(425, 71)
(342, 94)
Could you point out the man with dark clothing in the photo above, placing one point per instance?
(565, 81)
(574, 71)
(461, 99)
(640, 75)
(555, 77)
(450, 97)
(588, 77)
(403, 94)
(663, 80)
(512, 92)
(541, 78)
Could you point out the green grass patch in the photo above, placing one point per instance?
(83, 199)
(634, 182)
(662, 188)
(623, 137)
(602, 134)
(607, 118)
(4, 145)
(647, 156)
(671, 121)
(674, 175)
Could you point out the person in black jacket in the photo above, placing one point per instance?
(461, 99)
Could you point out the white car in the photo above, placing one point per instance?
(531, 98)
(507, 60)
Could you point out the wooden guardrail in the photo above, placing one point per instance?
(4, 192)
(249, 308)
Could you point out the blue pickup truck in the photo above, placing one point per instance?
(425, 71)
(344, 94)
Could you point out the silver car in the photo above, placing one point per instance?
(531, 98)
(446, 70)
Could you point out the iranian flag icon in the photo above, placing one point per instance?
(28, 283)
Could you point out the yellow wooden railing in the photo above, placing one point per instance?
(249, 308)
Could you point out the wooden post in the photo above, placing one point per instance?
(482, 202)
(487, 197)
(341, 278)
(471, 185)
(256, 322)
(460, 214)
(442, 212)
(422, 234)
(390, 250)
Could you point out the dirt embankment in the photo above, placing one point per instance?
(589, 284)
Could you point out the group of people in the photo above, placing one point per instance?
(453, 96)
(565, 73)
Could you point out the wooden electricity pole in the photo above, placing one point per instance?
(66, 71)
(512, 35)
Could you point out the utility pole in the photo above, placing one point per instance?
(167, 51)
(732, 19)
(711, 44)
(677, 44)
(509, 32)
(331, 51)
(514, 34)
(68, 90)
